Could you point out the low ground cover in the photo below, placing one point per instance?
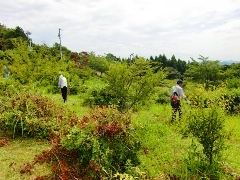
(163, 146)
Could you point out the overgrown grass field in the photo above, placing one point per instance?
(116, 121)
(163, 146)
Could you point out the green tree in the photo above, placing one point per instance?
(206, 125)
(181, 66)
(5, 44)
(8, 34)
(132, 85)
(173, 62)
(207, 72)
(19, 32)
(110, 57)
(55, 51)
(36, 65)
(233, 71)
(98, 63)
(172, 73)
(175, 68)
(163, 59)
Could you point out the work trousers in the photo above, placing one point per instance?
(64, 93)
(176, 107)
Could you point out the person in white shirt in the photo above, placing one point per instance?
(176, 94)
(62, 83)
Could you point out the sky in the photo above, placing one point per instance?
(184, 28)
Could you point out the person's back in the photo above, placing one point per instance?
(63, 82)
(176, 94)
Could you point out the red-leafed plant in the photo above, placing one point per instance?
(99, 146)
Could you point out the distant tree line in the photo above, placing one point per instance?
(7, 34)
(173, 67)
(203, 70)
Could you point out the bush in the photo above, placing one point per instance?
(163, 97)
(34, 116)
(75, 85)
(104, 139)
(129, 86)
(206, 125)
(100, 97)
(9, 87)
(231, 101)
(233, 83)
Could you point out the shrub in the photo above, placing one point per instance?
(100, 97)
(163, 97)
(34, 116)
(131, 85)
(104, 139)
(206, 125)
(52, 89)
(100, 146)
(75, 85)
(231, 101)
(9, 87)
(233, 83)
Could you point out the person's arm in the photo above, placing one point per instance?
(184, 96)
(181, 93)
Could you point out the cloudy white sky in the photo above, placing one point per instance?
(185, 28)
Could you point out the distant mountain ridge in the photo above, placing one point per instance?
(228, 62)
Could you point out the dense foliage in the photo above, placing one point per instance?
(97, 147)
(105, 144)
(127, 85)
(7, 34)
(206, 72)
(106, 140)
(30, 114)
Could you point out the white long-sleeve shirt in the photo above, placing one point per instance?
(179, 91)
(62, 81)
